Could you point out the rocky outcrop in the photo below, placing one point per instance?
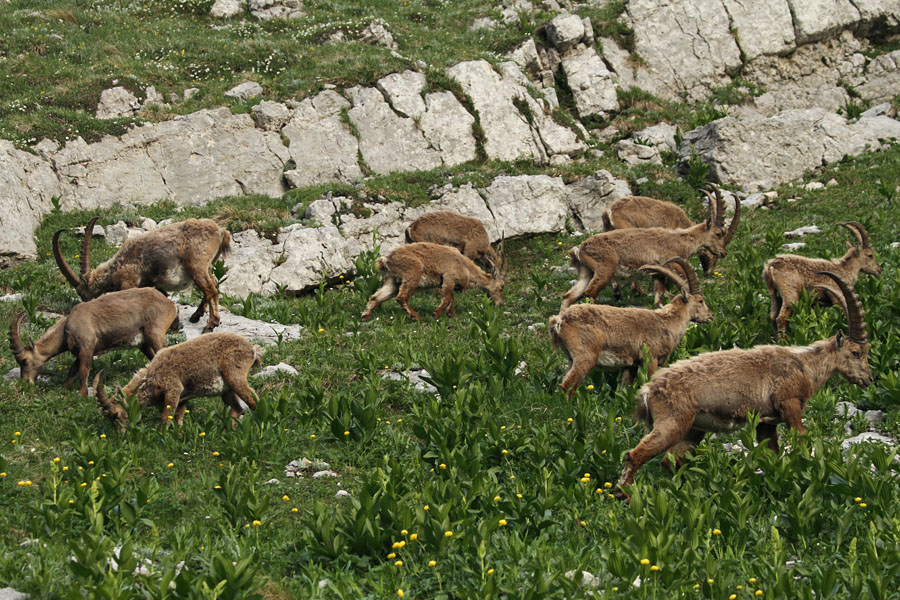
(276, 9)
(28, 185)
(758, 153)
(116, 103)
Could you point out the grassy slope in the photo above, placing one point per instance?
(390, 460)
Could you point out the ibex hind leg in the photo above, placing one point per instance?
(387, 291)
(655, 443)
(577, 292)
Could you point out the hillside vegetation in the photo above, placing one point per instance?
(498, 487)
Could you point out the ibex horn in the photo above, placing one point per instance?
(86, 249)
(15, 342)
(670, 274)
(689, 273)
(732, 228)
(64, 267)
(856, 317)
(720, 205)
(713, 213)
(862, 236)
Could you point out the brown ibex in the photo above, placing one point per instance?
(168, 258)
(641, 212)
(714, 392)
(612, 337)
(215, 364)
(132, 318)
(424, 265)
(787, 274)
(621, 252)
(451, 229)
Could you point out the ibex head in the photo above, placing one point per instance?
(689, 284)
(868, 262)
(495, 286)
(715, 223)
(853, 350)
(110, 408)
(30, 361)
(82, 283)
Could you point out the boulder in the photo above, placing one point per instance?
(279, 369)
(756, 35)
(626, 72)
(526, 56)
(9, 593)
(882, 78)
(116, 103)
(802, 231)
(590, 196)
(758, 153)
(590, 82)
(447, 126)
(29, 184)
(270, 116)
(245, 91)
(261, 332)
(565, 31)
(152, 98)
(387, 141)
(868, 436)
(404, 92)
(223, 9)
(527, 204)
(322, 145)
(661, 137)
(817, 19)
(276, 9)
(377, 34)
(632, 153)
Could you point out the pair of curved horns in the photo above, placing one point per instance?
(718, 217)
(856, 317)
(689, 282)
(15, 341)
(859, 232)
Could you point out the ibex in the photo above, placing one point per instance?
(210, 365)
(787, 274)
(168, 258)
(451, 229)
(641, 212)
(423, 265)
(131, 318)
(597, 334)
(714, 392)
(621, 252)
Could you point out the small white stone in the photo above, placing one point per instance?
(326, 473)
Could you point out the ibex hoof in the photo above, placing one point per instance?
(194, 318)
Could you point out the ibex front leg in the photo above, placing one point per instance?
(446, 298)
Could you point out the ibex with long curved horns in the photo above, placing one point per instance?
(168, 258)
(612, 337)
(787, 274)
(621, 252)
(714, 392)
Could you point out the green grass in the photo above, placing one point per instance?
(512, 447)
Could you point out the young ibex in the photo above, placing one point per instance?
(714, 392)
(596, 334)
(641, 212)
(451, 229)
(168, 258)
(787, 274)
(210, 365)
(131, 318)
(423, 265)
(621, 252)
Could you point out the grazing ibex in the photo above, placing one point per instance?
(713, 392)
(132, 318)
(210, 365)
(612, 337)
(168, 258)
(423, 265)
(621, 252)
(641, 212)
(787, 274)
(451, 229)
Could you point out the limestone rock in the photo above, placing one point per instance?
(276, 9)
(28, 183)
(256, 331)
(627, 73)
(687, 45)
(759, 153)
(565, 31)
(757, 35)
(245, 91)
(387, 141)
(223, 9)
(279, 369)
(527, 204)
(591, 83)
(632, 153)
(661, 137)
(376, 33)
(321, 145)
(526, 56)
(508, 135)
(448, 128)
(271, 116)
(589, 197)
(816, 19)
(9, 593)
(320, 211)
(116, 103)
(802, 231)
(882, 78)
(868, 436)
(152, 98)
(404, 92)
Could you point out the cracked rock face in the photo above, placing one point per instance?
(116, 103)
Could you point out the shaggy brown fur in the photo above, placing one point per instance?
(132, 318)
(215, 364)
(451, 229)
(787, 275)
(620, 253)
(714, 392)
(168, 258)
(424, 265)
(594, 334)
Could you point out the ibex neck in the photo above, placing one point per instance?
(848, 266)
(676, 311)
(820, 359)
(53, 342)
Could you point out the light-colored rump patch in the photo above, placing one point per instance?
(717, 424)
(216, 387)
(608, 359)
(428, 282)
(175, 279)
(136, 341)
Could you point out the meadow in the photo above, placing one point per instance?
(498, 486)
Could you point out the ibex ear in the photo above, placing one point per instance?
(840, 339)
